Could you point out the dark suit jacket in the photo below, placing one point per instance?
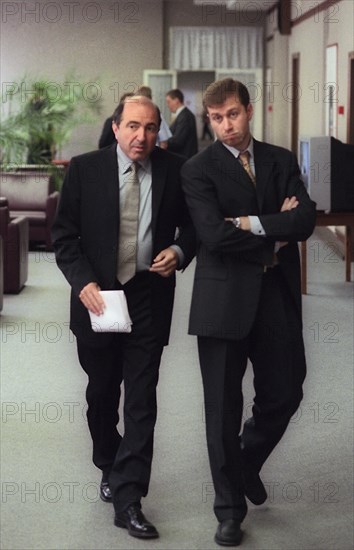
(184, 140)
(230, 261)
(85, 232)
(107, 136)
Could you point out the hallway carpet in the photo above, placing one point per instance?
(49, 487)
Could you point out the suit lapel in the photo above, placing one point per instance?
(103, 168)
(109, 179)
(158, 180)
(264, 164)
(226, 163)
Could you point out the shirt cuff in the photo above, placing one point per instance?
(256, 226)
(276, 247)
(180, 254)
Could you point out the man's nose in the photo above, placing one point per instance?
(226, 123)
(141, 133)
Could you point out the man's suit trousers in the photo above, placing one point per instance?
(276, 351)
(133, 358)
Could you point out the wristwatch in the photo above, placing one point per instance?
(236, 222)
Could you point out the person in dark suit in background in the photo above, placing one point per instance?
(107, 136)
(89, 224)
(184, 140)
(206, 127)
(249, 207)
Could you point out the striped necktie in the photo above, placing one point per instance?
(245, 161)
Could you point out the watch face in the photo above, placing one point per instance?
(237, 222)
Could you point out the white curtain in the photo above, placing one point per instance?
(198, 48)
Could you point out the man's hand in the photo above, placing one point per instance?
(245, 223)
(289, 204)
(165, 262)
(92, 299)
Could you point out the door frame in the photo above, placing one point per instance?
(256, 85)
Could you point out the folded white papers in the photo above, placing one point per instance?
(115, 317)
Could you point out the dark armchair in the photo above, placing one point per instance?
(31, 194)
(15, 234)
(1, 274)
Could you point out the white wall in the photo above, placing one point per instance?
(340, 30)
(118, 45)
(276, 92)
(47, 39)
(309, 39)
(325, 28)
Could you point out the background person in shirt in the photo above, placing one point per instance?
(248, 218)
(85, 237)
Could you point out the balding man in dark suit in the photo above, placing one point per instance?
(88, 241)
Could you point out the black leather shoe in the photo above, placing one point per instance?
(253, 486)
(134, 520)
(105, 492)
(228, 533)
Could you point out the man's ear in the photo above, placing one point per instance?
(249, 111)
(115, 129)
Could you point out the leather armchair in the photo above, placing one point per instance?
(31, 194)
(15, 235)
(1, 274)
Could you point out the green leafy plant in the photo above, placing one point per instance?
(39, 116)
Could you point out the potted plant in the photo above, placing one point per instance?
(39, 116)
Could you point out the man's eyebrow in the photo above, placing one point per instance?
(228, 111)
(140, 124)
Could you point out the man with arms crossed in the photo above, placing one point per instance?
(87, 237)
(249, 207)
